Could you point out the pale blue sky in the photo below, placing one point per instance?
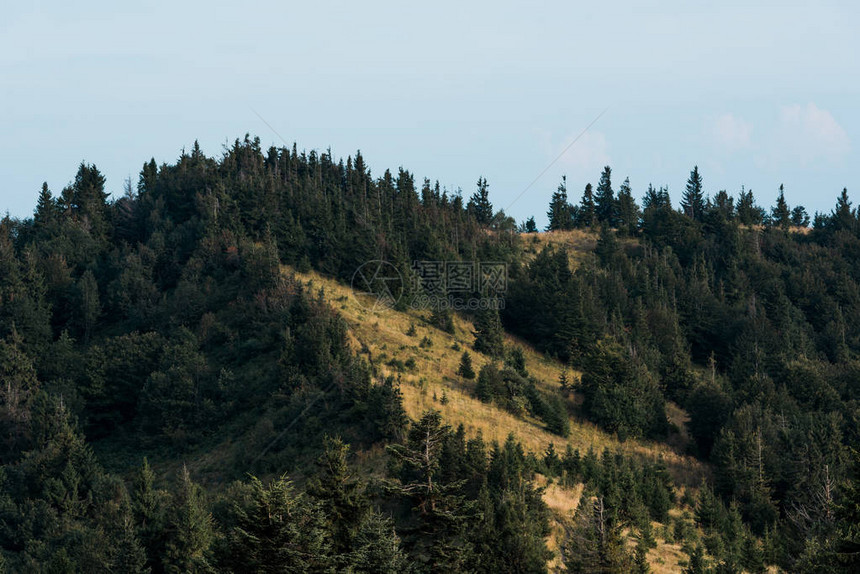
(755, 96)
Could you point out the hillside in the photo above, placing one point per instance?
(190, 386)
(382, 333)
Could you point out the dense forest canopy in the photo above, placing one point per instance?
(160, 322)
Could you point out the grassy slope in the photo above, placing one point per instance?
(381, 334)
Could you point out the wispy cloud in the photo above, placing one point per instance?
(731, 133)
(809, 134)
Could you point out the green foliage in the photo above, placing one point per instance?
(162, 321)
(605, 207)
(489, 336)
(693, 201)
(190, 530)
(560, 214)
(465, 369)
(619, 394)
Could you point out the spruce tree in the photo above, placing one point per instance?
(466, 370)
(587, 215)
(559, 209)
(628, 211)
(479, 204)
(780, 214)
(280, 530)
(489, 336)
(605, 207)
(530, 225)
(843, 217)
(693, 201)
(47, 212)
(191, 530)
(799, 216)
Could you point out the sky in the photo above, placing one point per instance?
(757, 94)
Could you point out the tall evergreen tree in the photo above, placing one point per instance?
(628, 211)
(479, 204)
(780, 214)
(604, 199)
(559, 209)
(587, 214)
(748, 212)
(489, 335)
(47, 212)
(843, 217)
(191, 531)
(799, 216)
(529, 226)
(693, 201)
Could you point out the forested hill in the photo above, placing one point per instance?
(161, 324)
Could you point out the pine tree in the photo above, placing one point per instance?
(559, 209)
(693, 201)
(843, 217)
(488, 382)
(149, 508)
(516, 359)
(748, 212)
(799, 216)
(530, 226)
(563, 383)
(780, 214)
(129, 555)
(465, 369)
(628, 211)
(280, 531)
(605, 207)
(489, 336)
(340, 492)
(191, 530)
(587, 215)
(47, 212)
(479, 204)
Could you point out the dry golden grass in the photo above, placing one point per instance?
(381, 335)
(579, 243)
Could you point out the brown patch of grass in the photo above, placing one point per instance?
(381, 334)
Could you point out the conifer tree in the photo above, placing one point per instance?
(693, 201)
(479, 204)
(530, 226)
(465, 369)
(843, 217)
(628, 211)
(280, 531)
(489, 336)
(559, 209)
(587, 214)
(780, 214)
(46, 213)
(748, 212)
(799, 216)
(604, 200)
(516, 359)
(191, 531)
(563, 383)
(149, 509)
